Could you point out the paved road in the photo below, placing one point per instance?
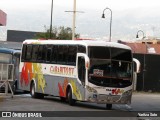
(23, 102)
(140, 102)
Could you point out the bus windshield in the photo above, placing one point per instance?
(110, 67)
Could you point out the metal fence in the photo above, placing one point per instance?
(6, 72)
(6, 76)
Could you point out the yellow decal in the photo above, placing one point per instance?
(76, 91)
(37, 70)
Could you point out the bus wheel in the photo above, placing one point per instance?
(108, 106)
(69, 96)
(34, 94)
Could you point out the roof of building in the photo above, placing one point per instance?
(144, 48)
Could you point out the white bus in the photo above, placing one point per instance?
(87, 70)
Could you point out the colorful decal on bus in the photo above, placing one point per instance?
(62, 89)
(27, 68)
(76, 90)
(33, 71)
(117, 91)
(37, 68)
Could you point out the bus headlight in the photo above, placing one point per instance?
(90, 89)
(127, 93)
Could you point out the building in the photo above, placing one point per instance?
(149, 40)
(20, 36)
(3, 18)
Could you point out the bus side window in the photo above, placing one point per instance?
(41, 53)
(54, 54)
(24, 53)
(34, 52)
(29, 52)
(62, 54)
(65, 54)
(49, 53)
(72, 55)
(81, 49)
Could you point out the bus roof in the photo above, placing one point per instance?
(9, 51)
(79, 42)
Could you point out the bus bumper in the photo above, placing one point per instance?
(125, 98)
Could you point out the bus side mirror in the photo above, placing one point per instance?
(137, 65)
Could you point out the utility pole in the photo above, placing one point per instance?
(74, 20)
(50, 34)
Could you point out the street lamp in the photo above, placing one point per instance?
(103, 16)
(144, 57)
(51, 20)
(141, 32)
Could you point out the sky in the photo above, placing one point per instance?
(128, 16)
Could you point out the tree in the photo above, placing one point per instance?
(60, 33)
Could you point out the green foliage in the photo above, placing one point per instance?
(60, 33)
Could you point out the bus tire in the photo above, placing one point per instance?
(34, 94)
(69, 97)
(108, 106)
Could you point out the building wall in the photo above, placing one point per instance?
(20, 36)
(149, 77)
(3, 18)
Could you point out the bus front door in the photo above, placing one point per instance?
(81, 70)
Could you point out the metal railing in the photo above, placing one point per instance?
(6, 76)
